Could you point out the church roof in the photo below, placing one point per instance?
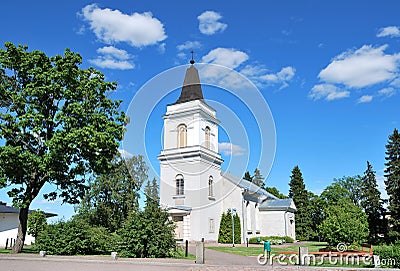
(278, 205)
(4, 209)
(191, 89)
(249, 187)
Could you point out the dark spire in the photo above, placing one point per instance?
(192, 60)
(191, 89)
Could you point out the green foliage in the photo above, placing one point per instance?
(74, 237)
(335, 192)
(57, 125)
(111, 197)
(371, 202)
(275, 240)
(152, 197)
(392, 182)
(258, 179)
(225, 228)
(389, 255)
(36, 222)
(344, 222)
(147, 233)
(274, 191)
(305, 211)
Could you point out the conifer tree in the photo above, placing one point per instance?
(392, 174)
(371, 200)
(258, 179)
(299, 194)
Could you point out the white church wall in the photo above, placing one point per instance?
(277, 223)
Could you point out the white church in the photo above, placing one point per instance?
(195, 190)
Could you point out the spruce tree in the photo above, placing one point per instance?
(392, 174)
(299, 194)
(258, 179)
(371, 200)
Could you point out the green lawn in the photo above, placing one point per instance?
(26, 249)
(312, 246)
(255, 251)
(180, 254)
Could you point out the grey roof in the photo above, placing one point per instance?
(249, 187)
(278, 204)
(7, 209)
(191, 89)
(4, 209)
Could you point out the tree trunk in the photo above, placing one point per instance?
(22, 227)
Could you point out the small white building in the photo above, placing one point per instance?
(193, 187)
(9, 225)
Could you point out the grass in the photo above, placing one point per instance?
(180, 254)
(255, 251)
(312, 246)
(26, 250)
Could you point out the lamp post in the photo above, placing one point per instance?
(232, 210)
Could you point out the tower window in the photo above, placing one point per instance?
(180, 183)
(208, 132)
(182, 136)
(210, 187)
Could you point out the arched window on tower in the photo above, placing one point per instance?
(182, 136)
(208, 142)
(210, 186)
(180, 184)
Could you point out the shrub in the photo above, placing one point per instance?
(389, 255)
(74, 237)
(148, 234)
(275, 240)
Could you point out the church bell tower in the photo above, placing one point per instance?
(190, 165)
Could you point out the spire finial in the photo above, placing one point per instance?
(192, 60)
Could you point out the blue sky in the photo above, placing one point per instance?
(329, 71)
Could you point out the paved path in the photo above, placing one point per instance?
(215, 260)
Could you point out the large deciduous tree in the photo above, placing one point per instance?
(344, 222)
(111, 197)
(392, 174)
(57, 126)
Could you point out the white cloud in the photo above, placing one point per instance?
(328, 92)
(113, 58)
(230, 149)
(209, 24)
(381, 186)
(282, 77)
(387, 92)
(187, 45)
(365, 99)
(161, 48)
(391, 31)
(114, 52)
(361, 68)
(235, 59)
(113, 26)
(228, 57)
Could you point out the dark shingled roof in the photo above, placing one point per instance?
(191, 89)
(11, 210)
